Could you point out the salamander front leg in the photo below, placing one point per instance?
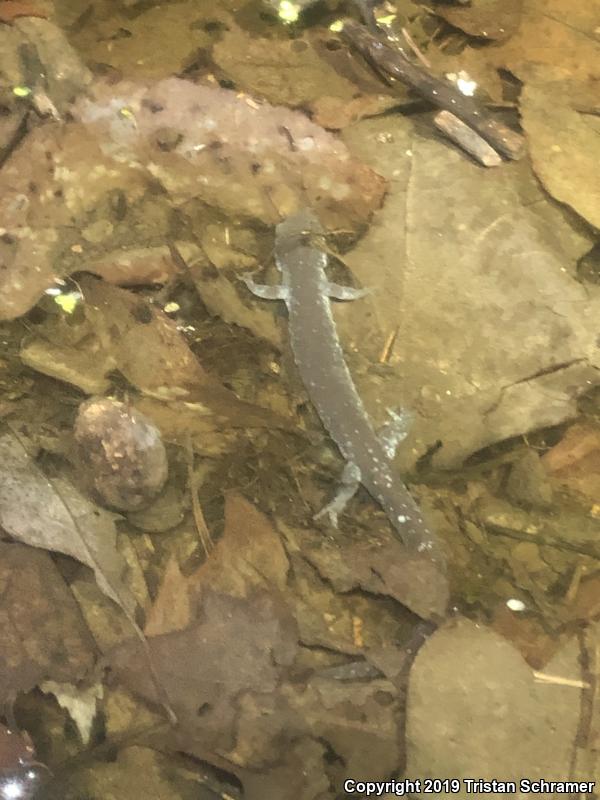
(263, 290)
(395, 430)
(350, 483)
(337, 292)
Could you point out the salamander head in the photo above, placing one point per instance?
(301, 228)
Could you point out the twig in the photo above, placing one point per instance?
(437, 90)
(388, 346)
(413, 46)
(558, 680)
(203, 532)
(466, 138)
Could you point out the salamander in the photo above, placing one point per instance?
(301, 259)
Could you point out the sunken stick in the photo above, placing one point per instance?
(438, 91)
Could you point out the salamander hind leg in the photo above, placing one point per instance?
(263, 290)
(395, 430)
(350, 483)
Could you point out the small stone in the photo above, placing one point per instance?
(121, 452)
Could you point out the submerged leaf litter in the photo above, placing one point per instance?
(208, 638)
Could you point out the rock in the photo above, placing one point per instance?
(122, 452)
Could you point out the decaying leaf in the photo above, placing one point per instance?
(137, 266)
(172, 608)
(235, 646)
(229, 673)
(575, 462)
(127, 325)
(488, 19)
(302, 72)
(564, 146)
(42, 633)
(53, 515)
(11, 9)
(81, 703)
(381, 567)
(250, 555)
(552, 33)
(220, 295)
(159, 41)
(71, 178)
(136, 772)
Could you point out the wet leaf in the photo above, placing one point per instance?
(552, 34)
(53, 515)
(381, 567)
(247, 726)
(172, 608)
(564, 147)
(75, 170)
(81, 703)
(12, 9)
(235, 646)
(159, 41)
(42, 633)
(488, 19)
(127, 325)
(14, 748)
(135, 772)
(304, 72)
(574, 462)
(137, 266)
(221, 296)
(528, 635)
(250, 555)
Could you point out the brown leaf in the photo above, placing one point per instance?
(15, 749)
(564, 145)
(172, 609)
(136, 266)
(488, 19)
(237, 646)
(575, 461)
(128, 325)
(249, 556)
(227, 674)
(358, 721)
(303, 73)
(11, 9)
(552, 34)
(528, 635)
(42, 633)
(381, 567)
(53, 515)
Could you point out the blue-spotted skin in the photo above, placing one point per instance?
(301, 260)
